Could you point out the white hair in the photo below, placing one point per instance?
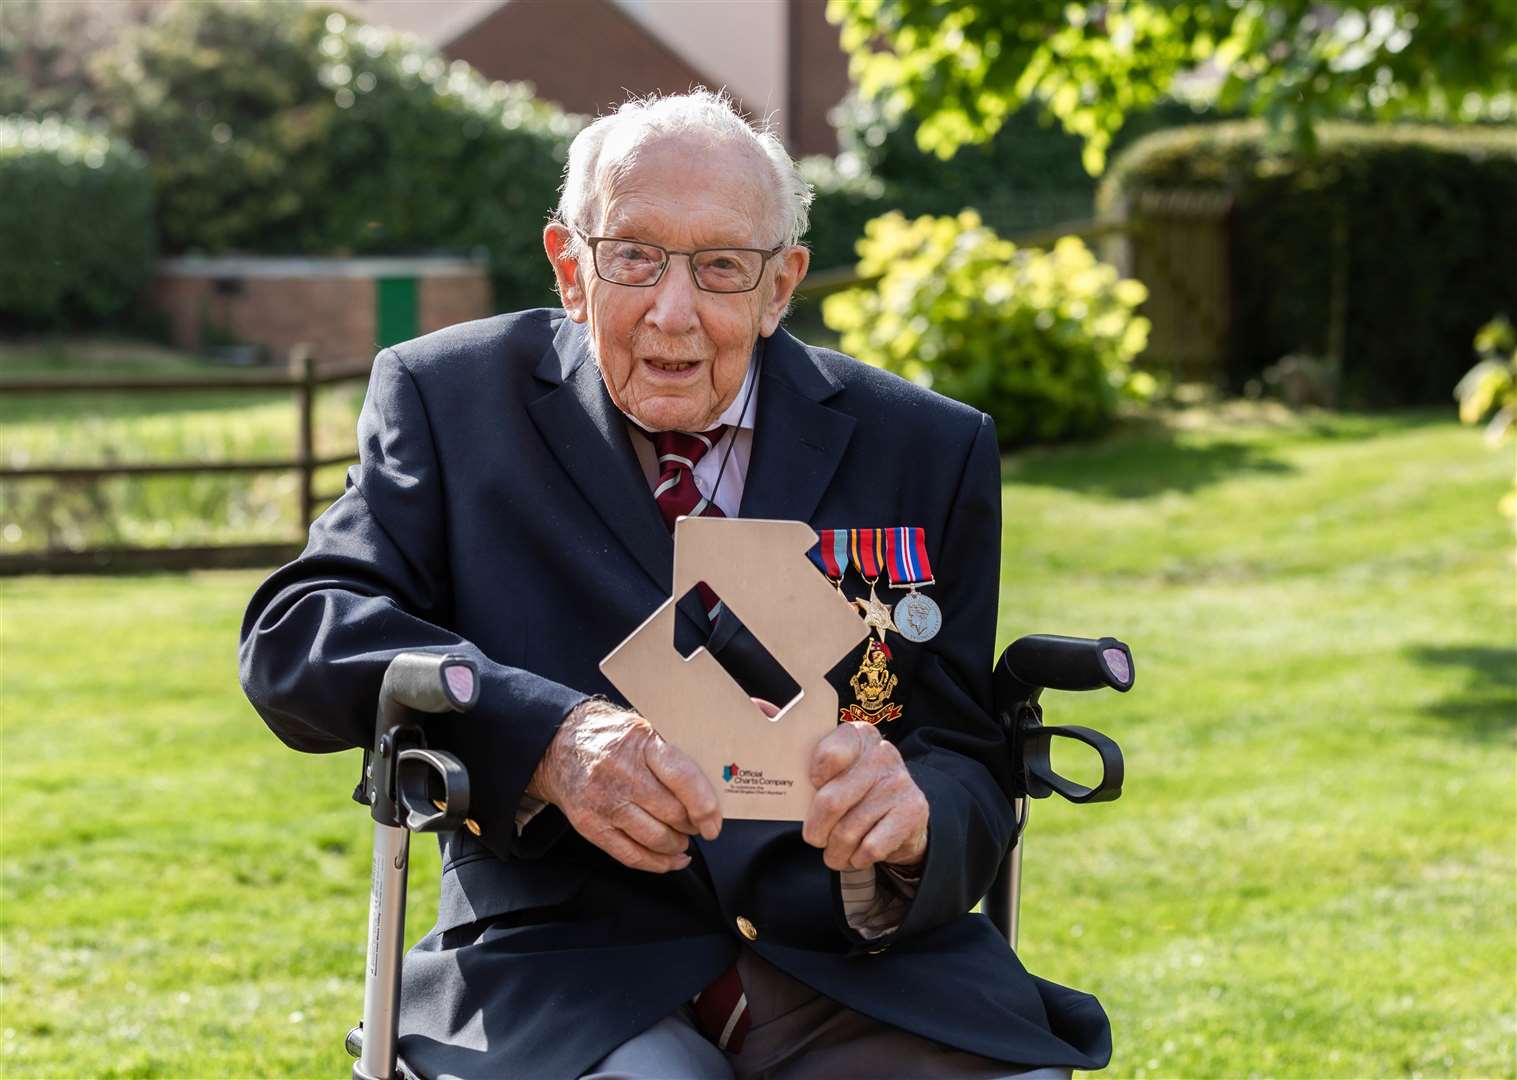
(700, 112)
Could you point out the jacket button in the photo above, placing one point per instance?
(746, 928)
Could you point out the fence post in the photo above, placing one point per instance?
(305, 449)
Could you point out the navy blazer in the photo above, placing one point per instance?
(498, 510)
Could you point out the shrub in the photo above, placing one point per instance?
(279, 127)
(1405, 232)
(1041, 340)
(76, 214)
(1490, 389)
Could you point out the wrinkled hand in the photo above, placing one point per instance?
(626, 790)
(867, 808)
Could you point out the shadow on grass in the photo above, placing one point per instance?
(1137, 468)
(1162, 451)
(1485, 708)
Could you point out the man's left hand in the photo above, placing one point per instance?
(867, 808)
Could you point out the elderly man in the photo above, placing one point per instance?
(518, 481)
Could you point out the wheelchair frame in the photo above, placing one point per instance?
(409, 787)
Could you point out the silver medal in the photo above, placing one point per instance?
(917, 617)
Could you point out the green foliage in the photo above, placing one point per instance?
(1041, 340)
(280, 127)
(1389, 245)
(846, 197)
(76, 214)
(965, 68)
(41, 67)
(1027, 176)
(1490, 389)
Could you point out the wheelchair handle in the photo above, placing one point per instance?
(426, 682)
(1041, 661)
(1048, 661)
(404, 783)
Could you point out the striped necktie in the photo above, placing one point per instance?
(678, 453)
(721, 1010)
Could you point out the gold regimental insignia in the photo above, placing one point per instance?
(872, 685)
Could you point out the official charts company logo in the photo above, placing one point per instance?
(741, 781)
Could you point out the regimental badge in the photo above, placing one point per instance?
(872, 685)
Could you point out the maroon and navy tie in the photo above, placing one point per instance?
(721, 1010)
(676, 493)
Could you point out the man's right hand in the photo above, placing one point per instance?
(625, 789)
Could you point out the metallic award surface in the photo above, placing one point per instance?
(759, 767)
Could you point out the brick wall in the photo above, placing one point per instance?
(328, 304)
(445, 300)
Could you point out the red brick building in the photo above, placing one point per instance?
(779, 59)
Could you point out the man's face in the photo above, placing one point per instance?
(672, 355)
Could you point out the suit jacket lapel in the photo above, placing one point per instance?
(798, 442)
(588, 435)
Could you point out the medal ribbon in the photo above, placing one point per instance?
(906, 557)
(831, 553)
(868, 549)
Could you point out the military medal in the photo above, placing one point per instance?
(872, 686)
(917, 617)
(831, 555)
(873, 683)
(867, 548)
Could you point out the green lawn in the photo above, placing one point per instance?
(1311, 872)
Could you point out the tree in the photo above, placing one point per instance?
(45, 50)
(287, 127)
(962, 68)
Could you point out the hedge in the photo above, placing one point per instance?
(1425, 219)
(76, 214)
(279, 127)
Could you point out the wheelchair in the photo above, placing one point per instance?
(410, 787)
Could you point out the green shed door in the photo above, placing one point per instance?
(394, 310)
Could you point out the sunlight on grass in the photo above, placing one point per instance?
(1310, 872)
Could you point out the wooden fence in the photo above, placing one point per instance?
(303, 378)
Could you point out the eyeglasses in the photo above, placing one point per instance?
(715, 270)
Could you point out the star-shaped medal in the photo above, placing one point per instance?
(876, 614)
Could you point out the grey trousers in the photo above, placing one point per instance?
(797, 1034)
